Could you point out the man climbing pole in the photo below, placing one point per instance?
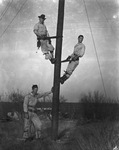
(30, 113)
(43, 39)
(79, 50)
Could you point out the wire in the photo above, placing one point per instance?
(13, 19)
(95, 49)
(5, 10)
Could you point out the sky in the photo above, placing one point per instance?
(21, 66)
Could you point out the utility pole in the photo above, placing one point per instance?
(57, 69)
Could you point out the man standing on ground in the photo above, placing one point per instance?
(41, 32)
(79, 50)
(30, 115)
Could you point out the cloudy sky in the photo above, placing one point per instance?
(21, 66)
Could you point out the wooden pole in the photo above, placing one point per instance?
(57, 69)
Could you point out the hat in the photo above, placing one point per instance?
(42, 16)
(34, 86)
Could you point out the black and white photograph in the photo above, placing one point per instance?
(59, 74)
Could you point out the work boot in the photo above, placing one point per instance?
(63, 79)
(53, 60)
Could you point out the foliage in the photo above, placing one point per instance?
(96, 97)
(16, 96)
(95, 136)
(62, 99)
(92, 136)
(98, 107)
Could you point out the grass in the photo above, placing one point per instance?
(94, 136)
(11, 131)
(102, 135)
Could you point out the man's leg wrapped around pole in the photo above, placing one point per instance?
(48, 50)
(37, 124)
(70, 68)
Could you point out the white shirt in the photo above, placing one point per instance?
(79, 50)
(40, 29)
(31, 100)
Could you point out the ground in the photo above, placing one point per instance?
(73, 135)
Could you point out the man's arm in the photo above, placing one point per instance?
(82, 51)
(35, 30)
(44, 94)
(25, 107)
(67, 59)
(25, 104)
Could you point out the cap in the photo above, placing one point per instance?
(42, 16)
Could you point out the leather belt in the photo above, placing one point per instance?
(31, 109)
(41, 37)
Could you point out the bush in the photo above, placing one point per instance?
(16, 96)
(95, 97)
(48, 98)
(97, 107)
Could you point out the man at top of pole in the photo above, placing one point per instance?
(42, 39)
